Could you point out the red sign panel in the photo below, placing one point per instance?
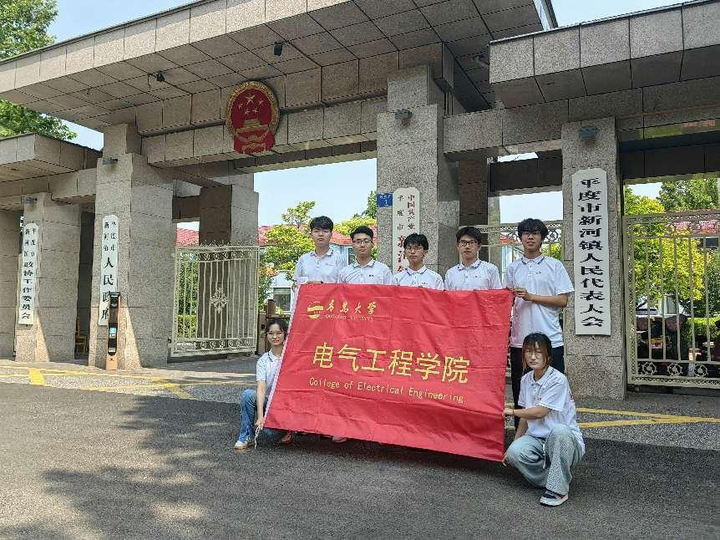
(398, 365)
(252, 118)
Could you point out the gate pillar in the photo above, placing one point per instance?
(410, 154)
(595, 364)
(141, 198)
(52, 335)
(9, 248)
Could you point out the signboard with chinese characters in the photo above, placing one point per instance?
(591, 252)
(405, 221)
(108, 266)
(28, 276)
(252, 118)
(440, 368)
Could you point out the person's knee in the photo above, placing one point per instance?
(248, 395)
(560, 432)
(518, 453)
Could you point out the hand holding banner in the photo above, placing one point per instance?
(398, 365)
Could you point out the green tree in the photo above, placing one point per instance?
(371, 206)
(23, 27)
(693, 194)
(349, 225)
(298, 216)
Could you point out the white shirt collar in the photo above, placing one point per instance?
(272, 356)
(474, 265)
(544, 379)
(370, 264)
(410, 271)
(537, 260)
(328, 254)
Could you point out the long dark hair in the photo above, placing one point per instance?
(540, 340)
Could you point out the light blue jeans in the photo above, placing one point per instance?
(248, 406)
(547, 463)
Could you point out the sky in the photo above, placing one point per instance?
(328, 184)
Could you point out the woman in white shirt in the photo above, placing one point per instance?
(548, 442)
(254, 400)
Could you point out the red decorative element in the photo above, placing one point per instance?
(252, 118)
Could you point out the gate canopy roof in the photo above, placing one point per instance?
(649, 48)
(210, 45)
(32, 156)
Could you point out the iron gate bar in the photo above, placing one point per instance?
(686, 230)
(215, 300)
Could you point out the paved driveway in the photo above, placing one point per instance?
(78, 464)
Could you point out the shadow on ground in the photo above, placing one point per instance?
(110, 465)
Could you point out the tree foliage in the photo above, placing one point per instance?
(371, 206)
(23, 27)
(298, 216)
(693, 194)
(349, 225)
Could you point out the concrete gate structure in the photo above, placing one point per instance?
(435, 89)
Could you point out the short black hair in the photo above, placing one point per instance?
(540, 340)
(282, 323)
(530, 225)
(416, 239)
(322, 222)
(362, 229)
(472, 232)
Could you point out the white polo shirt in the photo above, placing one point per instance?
(479, 276)
(310, 267)
(544, 276)
(266, 370)
(551, 391)
(373, 273)
(422, 278)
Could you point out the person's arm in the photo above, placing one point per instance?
(533, 413)
(556, 300)
(260, 420)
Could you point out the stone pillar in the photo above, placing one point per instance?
(52, 337)
(474, 184)
(412, 156)
(141, 197)
(595, 364)
(9, 248)
(229, 213)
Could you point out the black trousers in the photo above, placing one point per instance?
(516, 370)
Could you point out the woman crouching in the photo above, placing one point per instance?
(254, 402)
(548, 442)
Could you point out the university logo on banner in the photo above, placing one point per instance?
(252, 118)
(398, 365)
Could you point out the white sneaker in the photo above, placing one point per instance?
(240, 446)
(339, 440)
(550, 498)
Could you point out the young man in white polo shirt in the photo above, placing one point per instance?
(365, 270)
(323, 264)
(417, 274)
(471, 274)
(541, 286)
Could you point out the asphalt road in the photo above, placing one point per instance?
(77, 464)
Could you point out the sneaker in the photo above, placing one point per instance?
(339, 440)
(550, 498)
(240, 445)
(287, 438)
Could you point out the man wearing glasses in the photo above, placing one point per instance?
(365, 269)
(541, 286)
(471, 274)
(417, 274)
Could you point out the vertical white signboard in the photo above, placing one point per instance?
(108, 265)
(28, 276)
(405, 221)
(591, 252)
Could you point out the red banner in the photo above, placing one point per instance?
(397, 365)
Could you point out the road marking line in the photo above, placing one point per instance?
(36, 377)
(175, 389)
(8, 376)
